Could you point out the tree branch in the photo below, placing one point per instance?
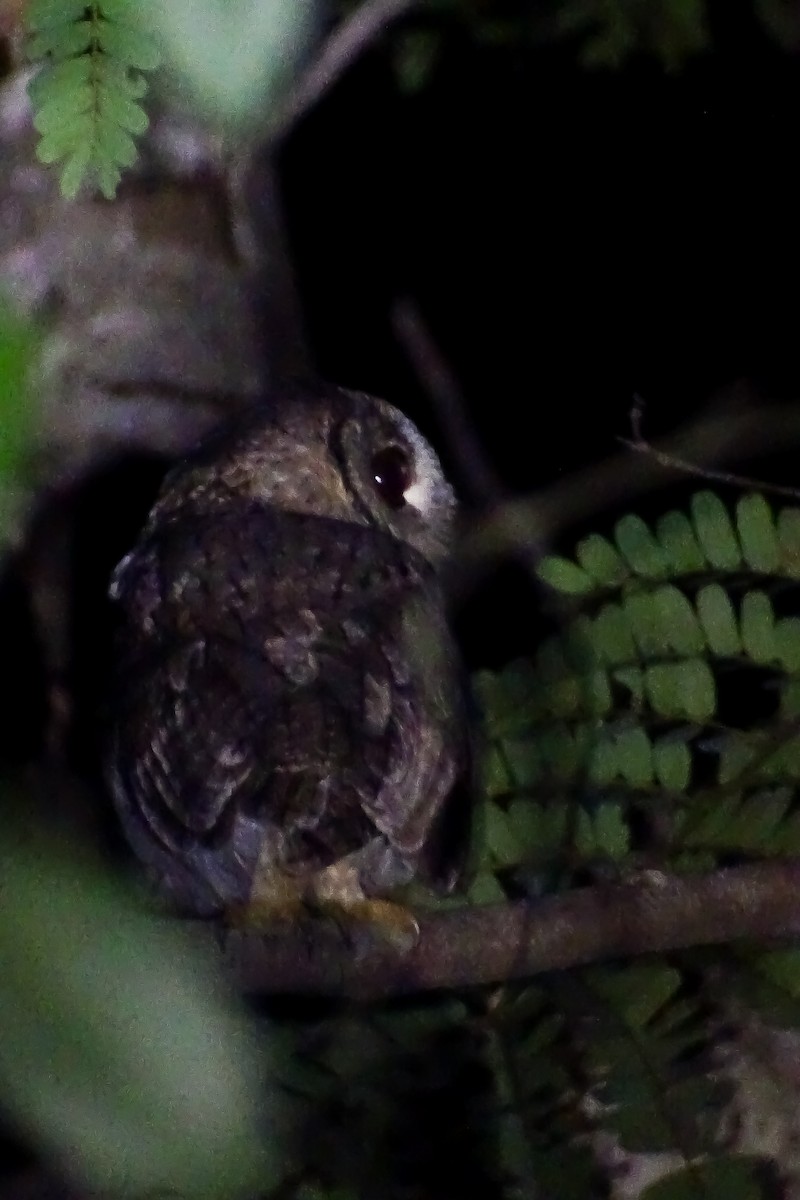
(345, 45)
(477, 946)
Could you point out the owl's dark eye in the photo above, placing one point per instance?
(392, 474)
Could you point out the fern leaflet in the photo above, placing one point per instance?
(86, 93)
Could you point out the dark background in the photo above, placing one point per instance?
(572, 236)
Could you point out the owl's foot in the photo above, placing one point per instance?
(337, 894)
(370, 919)
(334, 895)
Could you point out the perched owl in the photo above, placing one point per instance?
(290, 719)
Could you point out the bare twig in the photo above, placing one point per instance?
(720, 434)
(639, 442)
(472, 463)
(478, 946)
(348, 41)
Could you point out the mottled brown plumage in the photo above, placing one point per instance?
(290, 716)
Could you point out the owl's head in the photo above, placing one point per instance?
(327, 452)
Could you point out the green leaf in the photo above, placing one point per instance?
(640, 548)
(611, 831)
(757, 534)
(782, 967)
(679, 545)
(715, 531)
(642, 614)
(130, 45)
(718, 620)
(73, 171)
(495, 780)
(485, 889)
(676, 616)
(117, 109)
(790, 698)
(637, 993)
(60, 42)
(114, 144)
(524, 760)
(121, 1051)
(767, 984)
(64, 140)
(613, 636)
(42, 13)
(682, 689)
(672, 763)
(787, 643)
(564, 575)
(758, 627)
(633, 679)
(603, 765)
(56, 112)
(635, 757)
(60, 80)
(500, 835)
(557, 753)
(789, 540)
(601, 560)
(737, 755)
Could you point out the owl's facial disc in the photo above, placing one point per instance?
(394, 476)
(398, 480)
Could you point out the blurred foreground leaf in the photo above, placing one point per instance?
(236, 55)
(120, 1052)
(18, 343)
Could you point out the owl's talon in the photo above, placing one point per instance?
(380, 920)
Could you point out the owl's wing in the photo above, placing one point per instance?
(262, 726)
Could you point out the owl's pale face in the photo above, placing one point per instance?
(344, 455)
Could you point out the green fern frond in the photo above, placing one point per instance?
(707, 541)
(615, 715)
(86, 93)
(643, 1033)
(767, 981)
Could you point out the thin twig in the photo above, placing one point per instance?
(477, 946)
(345, 45)
(477, 476)
(638, 442)
(721, 433)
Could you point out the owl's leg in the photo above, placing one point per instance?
(337, 893)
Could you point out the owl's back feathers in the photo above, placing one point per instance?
(289, 699)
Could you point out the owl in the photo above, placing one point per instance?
(290, 723)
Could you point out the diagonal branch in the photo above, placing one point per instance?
(478, 477)
(345, 45)
(477, 946)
